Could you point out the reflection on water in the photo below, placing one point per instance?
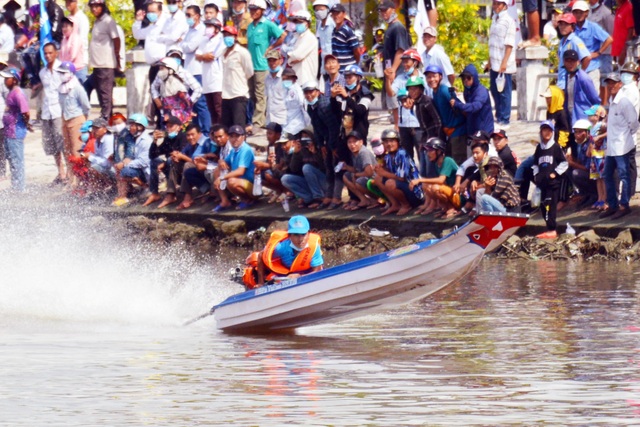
(91, 336)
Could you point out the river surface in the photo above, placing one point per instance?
(92, 335)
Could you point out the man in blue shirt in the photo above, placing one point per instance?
(235, 172)
(595, 38)
(570, 41)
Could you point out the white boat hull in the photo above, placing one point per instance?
(372, 284)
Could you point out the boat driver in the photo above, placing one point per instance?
(292, 253)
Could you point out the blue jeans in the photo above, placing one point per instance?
(15, 154)
(502, 100)
(82, 74)
(307, 187)
(154, 178)
(197, 179)
(200, 108)
(487, 203)
(621, 163)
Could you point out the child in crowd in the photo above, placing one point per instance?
(357, 176)
(269, 170)
(597, 116)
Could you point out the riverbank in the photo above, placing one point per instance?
(40, 171)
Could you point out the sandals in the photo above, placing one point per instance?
(221, 208)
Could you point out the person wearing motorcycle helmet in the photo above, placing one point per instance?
(135, 169)
(170, 91)
(303, 55)
(355, 109)
(410, 66)
(438, 190)
(393, 178)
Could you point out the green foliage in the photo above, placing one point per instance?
(463, 34)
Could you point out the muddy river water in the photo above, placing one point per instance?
(91, 335)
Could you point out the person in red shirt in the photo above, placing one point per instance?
(623, 30)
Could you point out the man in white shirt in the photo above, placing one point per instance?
(190, 44)
(324, 26)
(502, 60)
(154, 48)
(175, 27)
(303, 56)
(82, 22)
(52, 140)
(276, 109)
(7, 39)
(209, 55)
(237, 69)
(621, 143)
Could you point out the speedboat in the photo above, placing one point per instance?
(368, 285)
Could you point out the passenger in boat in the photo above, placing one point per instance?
(292, 253)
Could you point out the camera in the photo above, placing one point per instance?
(235, 274)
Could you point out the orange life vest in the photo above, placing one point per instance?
(301, 263)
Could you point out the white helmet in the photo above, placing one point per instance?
(582, 124)
(321, 3)
(170, 63)
(262, 4)
(302, 14)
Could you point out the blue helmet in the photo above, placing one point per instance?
(433, 69)
(66, 67)
(353, 69)
(11, 73)
(86, 126)
(402, 92)
(140, 119)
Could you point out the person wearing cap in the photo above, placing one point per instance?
(192, 40)
(579, 159)
(548, 167)
(324, 27)
(332, 75)
(554, 97)
(274, 91)
(306, 177)
(600, 14)
(274, 156)
(104, 57)
(236, 172)
(477, 103)
(326, 125)
(75, 107)
(438, 190)
(344, 42)
(287, 255)
(411, 66)
(81, 27)
(72, 49)
(595, 38)
(237, 70)
(550, 29)
(134, 169)
(209, 55)
(241, 18)
(509, 159)
(16, 124)
(434, 54)
(100, 173)
(263, 35)
(500, 193)
(359, 172)
(502, 60)
(303, 55)
(51, 112)
(570, 41)
(394, 176)
(351, 102)
(480, 141)
(297, 117)
(621, 146)
(580, 93)
(453, 122)
(629, 78)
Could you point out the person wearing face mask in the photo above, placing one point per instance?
(241, 19)
(411, 64)
(209, 55)
(165, 142)
(192, 40)
(134, 169)
(303, 57)
(477, 103)
(326, 126)
(297, 118)
(170, 90)
(237, 69)
(175, 26)
(123, 140)
(72, 48)
(274, 91)
(396, 42)
(154, 47)
(75, 107)
(324, 27)
(51, 112)
(100, 172)
(262, 36)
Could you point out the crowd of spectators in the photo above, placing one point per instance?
(217, 77)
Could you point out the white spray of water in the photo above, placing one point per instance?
(71, 268)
